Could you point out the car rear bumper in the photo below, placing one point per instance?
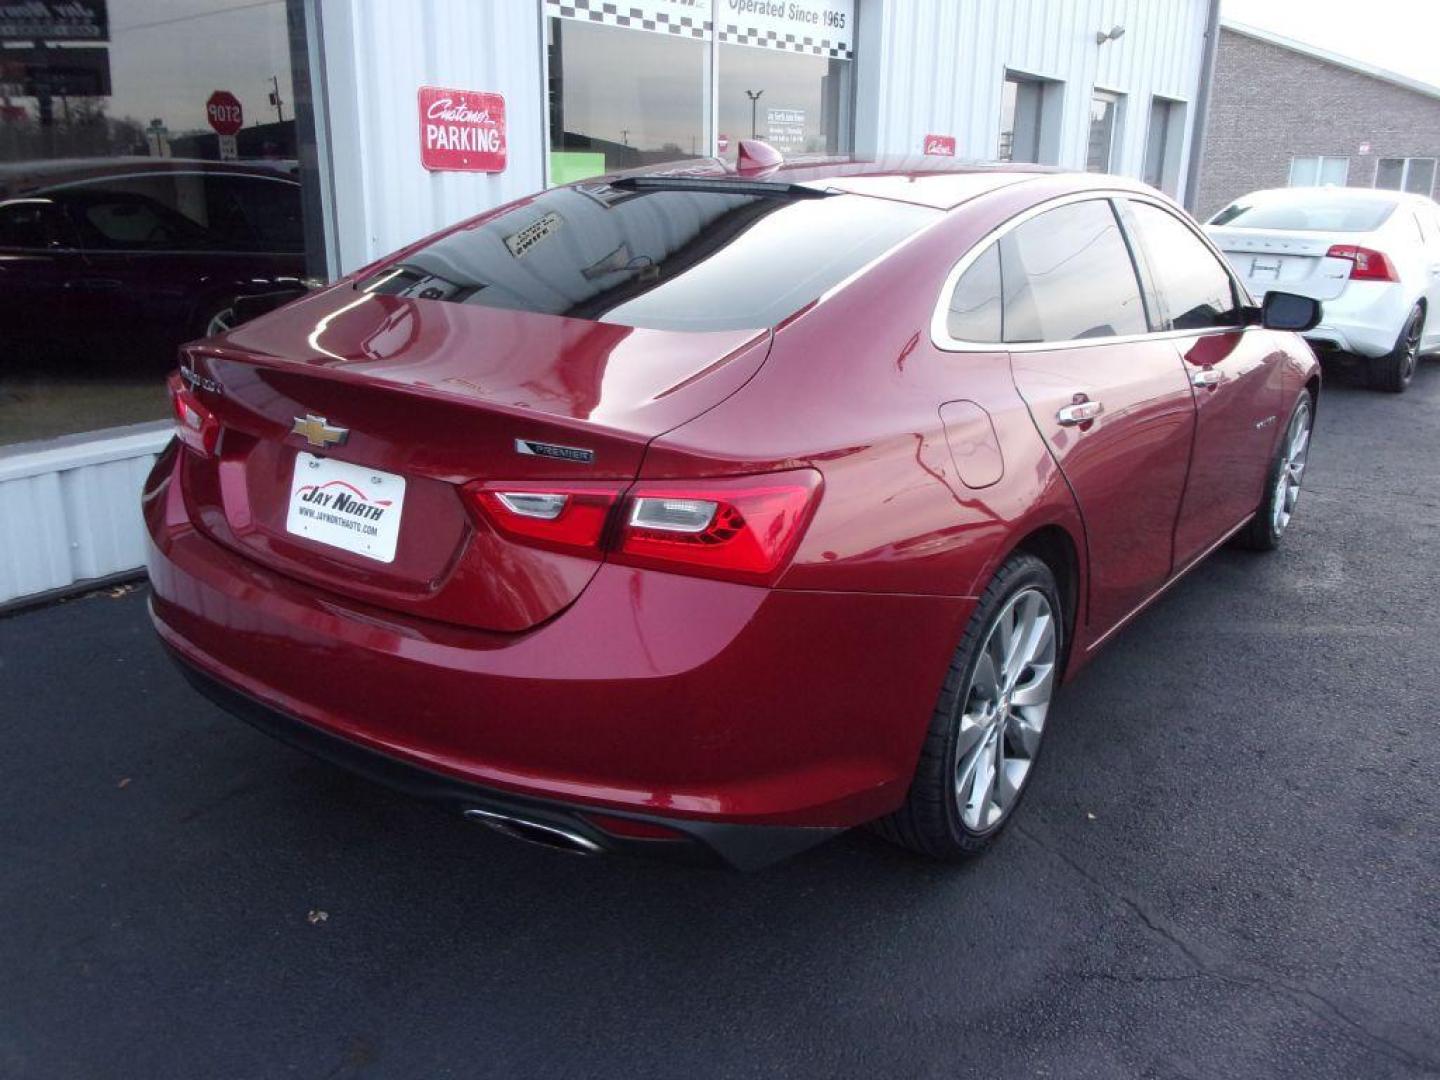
(673, 698)
(745, 847)
(1365, 319)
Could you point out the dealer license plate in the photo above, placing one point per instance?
(346, 506)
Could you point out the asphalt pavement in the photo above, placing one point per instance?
(1228, 865)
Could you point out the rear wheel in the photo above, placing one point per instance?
(984, 736)
(1393, 371)
(216, 317)
(1282, 490)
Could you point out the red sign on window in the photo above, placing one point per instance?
(940, 145)
(461, 130)
(223, 111)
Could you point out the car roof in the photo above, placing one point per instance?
(937, 182)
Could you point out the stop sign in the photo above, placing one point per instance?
(224, 112)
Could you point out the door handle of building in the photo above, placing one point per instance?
(1208, 378)
(1081, 412)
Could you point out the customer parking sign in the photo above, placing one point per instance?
(461, 130)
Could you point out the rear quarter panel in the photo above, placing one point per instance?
(854, 388)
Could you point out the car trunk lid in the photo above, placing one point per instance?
(1274, 260)
(377, 408)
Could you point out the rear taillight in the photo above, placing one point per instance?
(739, 529)
(197, 427)
(1367, 263)
(563, 517)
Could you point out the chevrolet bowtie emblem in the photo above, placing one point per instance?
(318, 433)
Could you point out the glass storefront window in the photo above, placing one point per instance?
(622, 98)
(799, 104)
(128, 222)
(668, 80)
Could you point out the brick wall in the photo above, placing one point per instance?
(1269, 103)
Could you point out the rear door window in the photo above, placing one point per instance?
(255, 213)
(1068, 275)
(138, 212)
(975, 303)
(131, 222)
(1196, 291)
(691, 259)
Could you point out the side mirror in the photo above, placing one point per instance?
(1286, 311)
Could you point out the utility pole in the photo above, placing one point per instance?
(275, 98)
(625, 136)
(754, 96)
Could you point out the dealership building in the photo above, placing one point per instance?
(168, 169)
(1380, 129)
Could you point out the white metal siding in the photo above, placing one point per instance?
(71, 511)
(942, 63)
(377, 54)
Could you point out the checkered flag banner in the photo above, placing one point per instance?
(820, 28)
(773, 39)
(652, 16)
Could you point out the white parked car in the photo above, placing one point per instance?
(1371, 257)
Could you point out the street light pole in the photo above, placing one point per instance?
(275, 99)
(754, 96)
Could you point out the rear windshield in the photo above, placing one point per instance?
(665, 260)
(1310, 215)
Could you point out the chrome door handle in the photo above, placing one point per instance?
(1207, 377)
(1081, 412)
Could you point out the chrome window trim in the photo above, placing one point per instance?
(939, 318)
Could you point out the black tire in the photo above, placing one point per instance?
(1393, 371)
(930, 820)
(1265, 529)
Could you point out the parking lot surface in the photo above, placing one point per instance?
(1228, 865)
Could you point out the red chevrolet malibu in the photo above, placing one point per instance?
(714, 511)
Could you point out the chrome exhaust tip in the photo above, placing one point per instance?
(555, 837)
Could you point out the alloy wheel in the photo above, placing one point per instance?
(1293, 455)
(1004, 711)
(221, 321)
(1410, 343)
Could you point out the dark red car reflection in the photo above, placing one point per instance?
(144, 251)
(714, 511)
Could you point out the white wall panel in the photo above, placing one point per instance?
(941, 64)
(376, 55)
(70, 508)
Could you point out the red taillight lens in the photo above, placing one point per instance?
(1368, 264)
(196, 425)
(562, 516)
(742, 529)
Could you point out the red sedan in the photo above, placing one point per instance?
(712, 512)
